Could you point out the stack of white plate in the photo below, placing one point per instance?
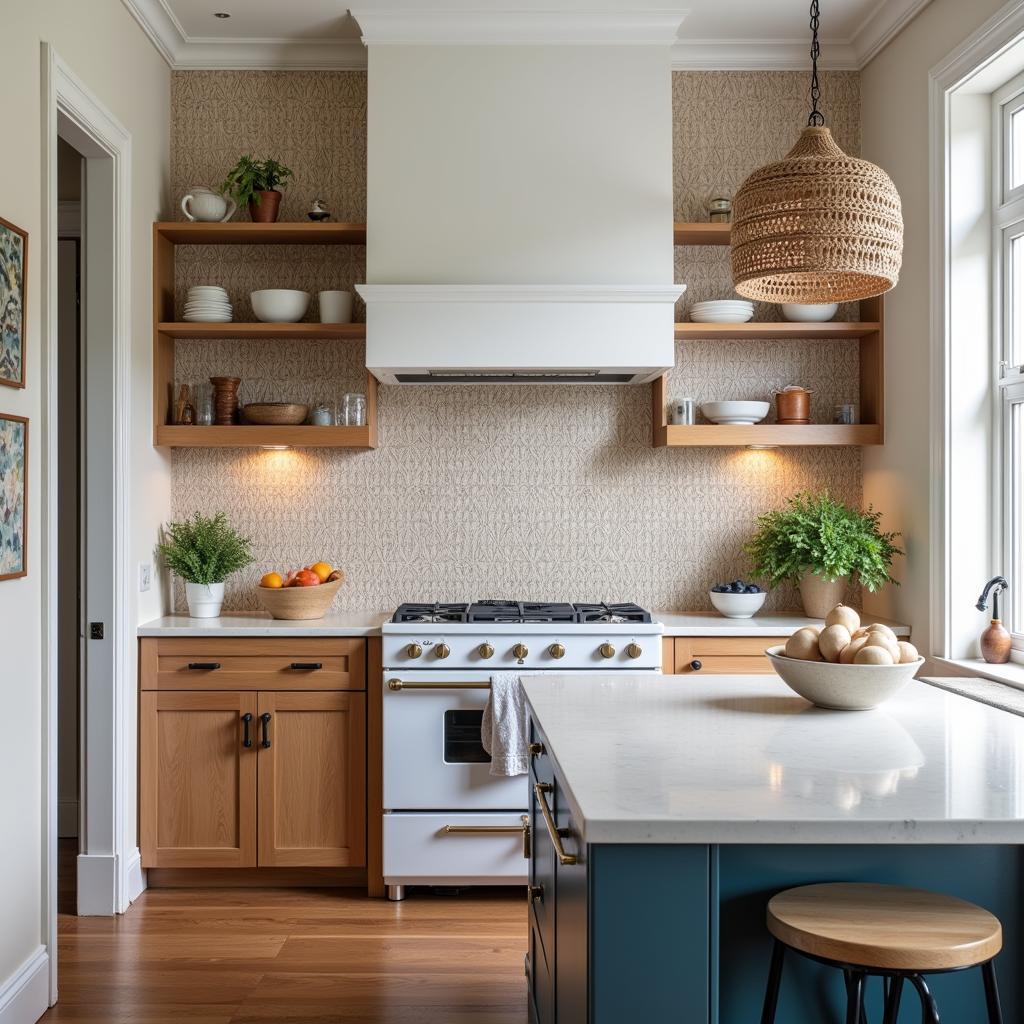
(722, 311)
(208, 303)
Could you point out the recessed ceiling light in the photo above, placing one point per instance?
(221, 14)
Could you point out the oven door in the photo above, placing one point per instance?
(433, 757)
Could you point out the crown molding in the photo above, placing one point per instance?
(514, 28)
(185, 53)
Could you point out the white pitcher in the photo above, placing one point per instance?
(203, 203)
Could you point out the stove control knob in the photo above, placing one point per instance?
(442, 650)
(413, 651)
(556, 651)
(520, 651)
(634, 650)
(485, 651)
(606, 651)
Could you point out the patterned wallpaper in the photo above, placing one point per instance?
(544, 493)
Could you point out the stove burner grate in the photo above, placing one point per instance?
(431, 613)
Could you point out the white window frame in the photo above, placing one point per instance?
(1008, 378)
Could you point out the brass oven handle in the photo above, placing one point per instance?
(523, 828)
(540, 789)
(397, 684)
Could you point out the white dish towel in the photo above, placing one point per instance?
(503, 727)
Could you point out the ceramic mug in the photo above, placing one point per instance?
(204, 204)
(335, 307)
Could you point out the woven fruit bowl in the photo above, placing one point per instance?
(299, 602)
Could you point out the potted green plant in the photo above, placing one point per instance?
(256, 184)
(820, 543)
(204, 551)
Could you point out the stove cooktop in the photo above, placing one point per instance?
(521, 611)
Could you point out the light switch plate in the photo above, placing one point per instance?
(145, 576)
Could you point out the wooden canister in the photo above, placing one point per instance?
(225, 400)
(793, 405)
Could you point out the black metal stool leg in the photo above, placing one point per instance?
(849, 975)
(929, 1010)
(771, 994)
(995, 1011)
(855, 998)
(894, 990)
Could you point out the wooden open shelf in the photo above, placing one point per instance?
(343, 332)
(701, 234)
(166, 237)
(704, 435)
(246, 233)
(761, 331)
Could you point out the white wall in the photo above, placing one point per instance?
(110, 54)
(519, 165)
(895, 121)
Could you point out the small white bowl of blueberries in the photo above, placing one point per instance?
(737, 600)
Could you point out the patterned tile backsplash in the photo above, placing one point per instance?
(541, 492)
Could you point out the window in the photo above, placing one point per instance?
(1008, 377)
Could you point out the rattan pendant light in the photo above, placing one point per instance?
(817, 226)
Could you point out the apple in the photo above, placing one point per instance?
(306, 578)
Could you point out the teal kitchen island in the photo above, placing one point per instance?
(667, 810)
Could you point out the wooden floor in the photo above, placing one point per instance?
(228, 956)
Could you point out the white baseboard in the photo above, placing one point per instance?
(24, 996)
(135, 876)
(97, 885)
(67, 819)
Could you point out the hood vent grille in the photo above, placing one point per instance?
(514, 377)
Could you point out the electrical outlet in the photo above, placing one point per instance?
(145, 576)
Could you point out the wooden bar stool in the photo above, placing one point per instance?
(883, 931)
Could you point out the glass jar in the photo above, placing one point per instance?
(202, 400)
(353, 410)
(720, 211)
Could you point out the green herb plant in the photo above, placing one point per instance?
(815, 533)
(249, 177)
(205, 549)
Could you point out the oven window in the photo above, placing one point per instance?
(462, 743)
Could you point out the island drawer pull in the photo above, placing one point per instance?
(203, 666)
(555, 835)
(307, 666)
(696, 665)
(396, 685)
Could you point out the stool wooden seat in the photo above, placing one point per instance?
(885, 927)
(888, 931)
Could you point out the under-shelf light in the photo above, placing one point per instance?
(762, 447)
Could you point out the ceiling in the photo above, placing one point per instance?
(721, 34)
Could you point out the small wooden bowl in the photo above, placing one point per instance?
(299, 602)
(275, 414)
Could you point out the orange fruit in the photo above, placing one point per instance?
(272, 580)
(323, 570)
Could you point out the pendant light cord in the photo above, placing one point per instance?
(816, 117)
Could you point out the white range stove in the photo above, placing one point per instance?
(447, 820)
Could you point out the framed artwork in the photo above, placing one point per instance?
(13, 496)
(13, 283)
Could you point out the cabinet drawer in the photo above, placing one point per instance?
(238, 663)
(724, 655)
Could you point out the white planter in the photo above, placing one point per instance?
(204, 599)
(819, 595)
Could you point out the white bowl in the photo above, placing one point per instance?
(735, 412)
(841, 687)
(737, 606)
(279, 305)
(802, 313)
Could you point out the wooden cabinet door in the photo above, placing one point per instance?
(197, 780)
(312, 779)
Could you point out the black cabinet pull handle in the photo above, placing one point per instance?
(265, 722)
(203, 666)
(307, 666)
(246, 738)
(696, 665)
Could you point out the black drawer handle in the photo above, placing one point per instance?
(307, 666)
(696, 665)
(246, 738)
(203, 666)
(265, 723)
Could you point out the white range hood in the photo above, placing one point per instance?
(519, 334)
(519, 197)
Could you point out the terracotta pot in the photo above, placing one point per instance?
(265, 211)
(819, 595)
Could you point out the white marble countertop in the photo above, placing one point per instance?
(357, 623)
(368, 623)
(742, 759)
(769, 624)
